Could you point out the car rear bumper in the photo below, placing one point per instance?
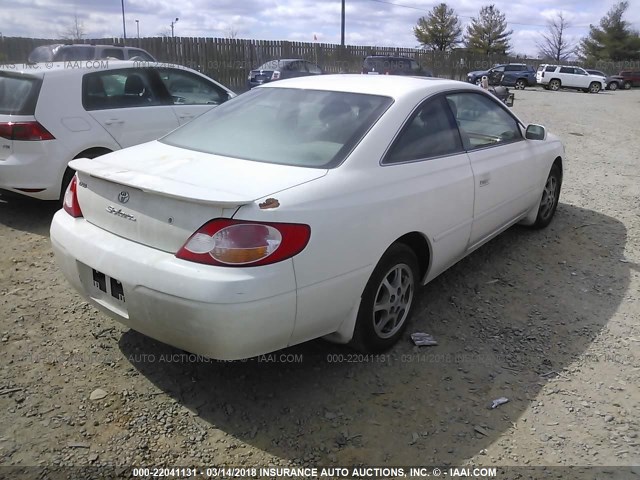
(34, 170)
(218, 312)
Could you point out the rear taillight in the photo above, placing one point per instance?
(29, 131)
(236, 243)
(275, 75)
(71, 205)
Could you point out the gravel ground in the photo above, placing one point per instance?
(548, 319)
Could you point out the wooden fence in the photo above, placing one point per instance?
(229, 60)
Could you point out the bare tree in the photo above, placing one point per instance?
(555, 44)
(232, 32)
(75, 31)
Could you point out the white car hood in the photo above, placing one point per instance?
(187, 174)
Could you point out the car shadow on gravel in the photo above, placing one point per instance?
(509, 318)
(27, 214)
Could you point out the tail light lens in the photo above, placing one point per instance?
(71, 205)
(236, 243)
(25, 131)
(275, 75)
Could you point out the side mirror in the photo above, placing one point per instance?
(535, 132)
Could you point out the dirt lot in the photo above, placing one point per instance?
(549, 319)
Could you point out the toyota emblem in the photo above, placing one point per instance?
(123, 196)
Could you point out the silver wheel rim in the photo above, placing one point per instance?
(595, 88)
(520, 85)
(554, 85)
(548, 197)
(627, 86)
(393, 301)
(613, 86)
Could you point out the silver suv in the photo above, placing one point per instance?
(79, 52)
(555, 77)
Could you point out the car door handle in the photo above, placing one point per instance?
(185, 116)
(484, 180)
(114, 121)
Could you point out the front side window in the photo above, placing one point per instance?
(430, 132)
(189, 89)
(482, 121)
(288, 126)
(580, 71)
(124, 88)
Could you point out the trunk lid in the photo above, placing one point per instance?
(159, 195)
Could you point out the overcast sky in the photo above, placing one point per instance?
(368, 22)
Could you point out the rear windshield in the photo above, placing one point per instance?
(306, 128)
(18, 94)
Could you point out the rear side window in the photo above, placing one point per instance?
(140, 55)
(124, 88)
(117, 53)
(18, 94)
(550, 68)
(73, 53)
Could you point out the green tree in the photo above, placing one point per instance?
(613, 39)
(440, 29)
(488, 33)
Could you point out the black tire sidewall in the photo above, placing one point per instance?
(364, 338)
(540, 222)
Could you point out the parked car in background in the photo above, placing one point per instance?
(220, 238)
(628, 78)
(555, 77)
(281, 69)
(612, 82)
(393, 65)
(80, 52)
(51, 116)
(516, 75)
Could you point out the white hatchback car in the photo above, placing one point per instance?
(55, 112)
(305, 208)
(555, 77)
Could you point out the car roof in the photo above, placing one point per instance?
(394, 86)
(80, 66)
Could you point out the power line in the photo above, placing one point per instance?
(422, 9)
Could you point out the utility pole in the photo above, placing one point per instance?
(138, 31)
(172, 24)
(124, 27)
(342, 29)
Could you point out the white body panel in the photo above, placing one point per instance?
(41, 164)
(355, 211)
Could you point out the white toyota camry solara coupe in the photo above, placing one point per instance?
(305, 208)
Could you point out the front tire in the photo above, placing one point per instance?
(550, 197)
(387, 300)
(521, 84)
(594, 87)
(555, 84)
(627, 85)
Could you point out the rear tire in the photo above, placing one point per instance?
(387, 300)
(550, 196)
(70, 172)
(555, 84)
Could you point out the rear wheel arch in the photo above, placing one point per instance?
(420, 245)
(92, 152)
